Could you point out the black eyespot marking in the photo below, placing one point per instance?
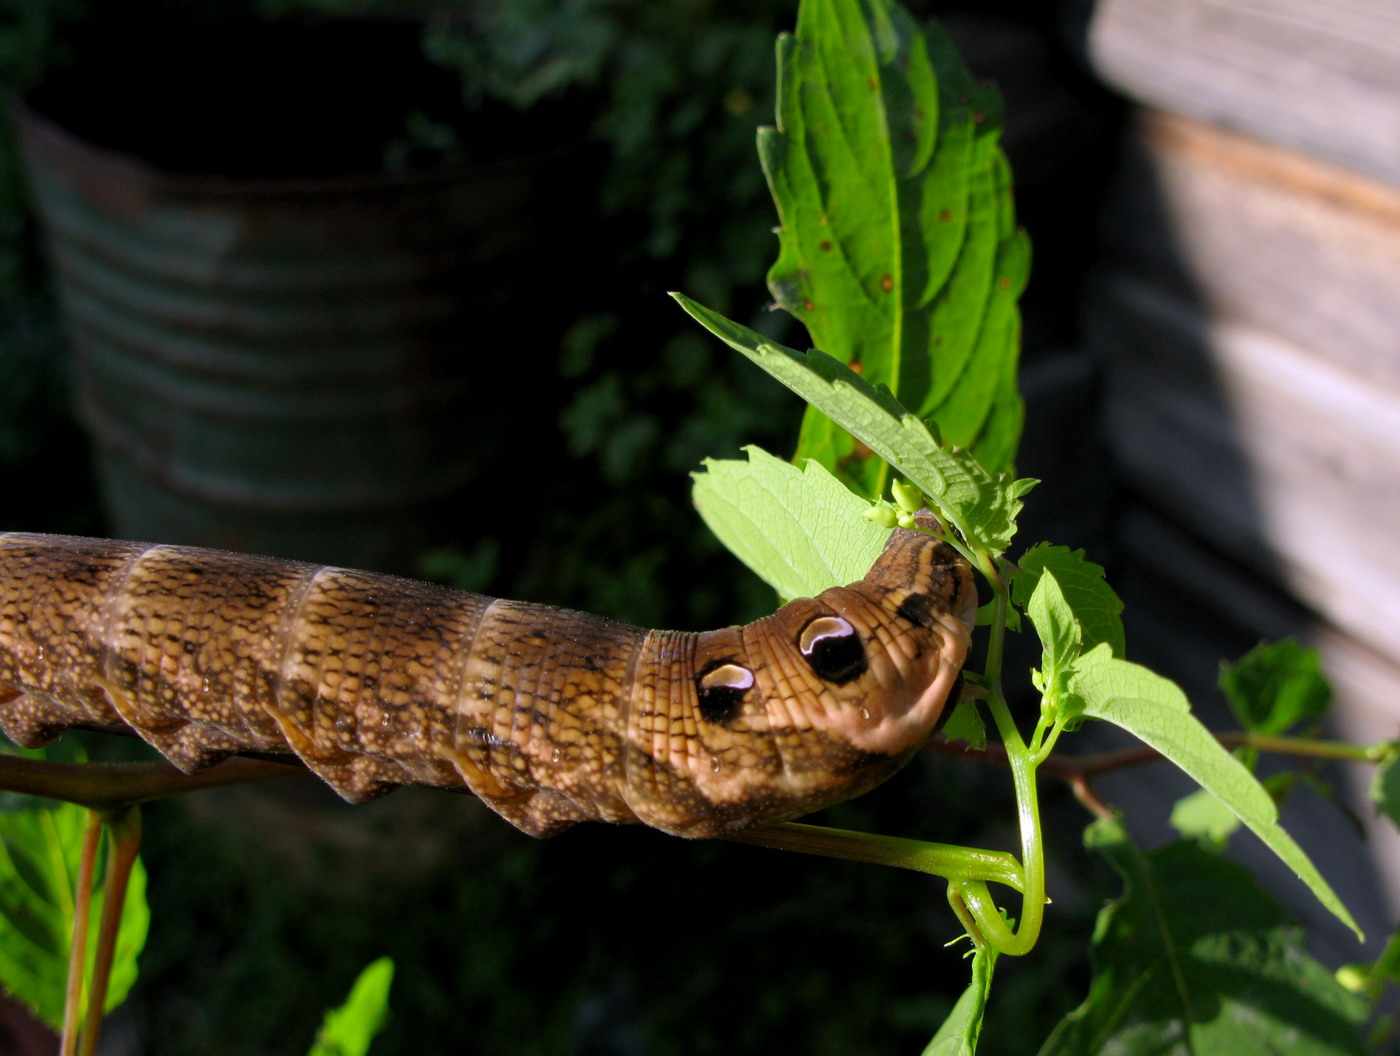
(834, 649)
(917, 609)
(720, 690)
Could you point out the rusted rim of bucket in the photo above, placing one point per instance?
(114, 440)
(73, 154)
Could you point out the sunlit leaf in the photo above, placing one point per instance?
(1154, 710)
(1092, 603)
(899, 249)
(982, 508)
(800, 529)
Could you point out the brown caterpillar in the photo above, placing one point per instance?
(550, 716)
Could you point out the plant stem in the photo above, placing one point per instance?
(938, 859)
(77, 951)
(124, 832)
(1359, 753)
(114, 786)
(1070, 767)
(1023, 768)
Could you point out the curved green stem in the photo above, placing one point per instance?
(1023, 762)
(958, 864)
(990, 928)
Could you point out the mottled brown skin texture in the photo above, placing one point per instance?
(552, 717)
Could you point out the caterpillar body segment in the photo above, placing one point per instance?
(552, 717)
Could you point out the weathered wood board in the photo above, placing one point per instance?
(1319, 76)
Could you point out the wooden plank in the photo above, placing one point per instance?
(1266, 237)
(1279, 458)
(1321, 76)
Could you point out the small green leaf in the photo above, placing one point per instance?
(981, 508)
(959, 1033)
(1176, 974)
(800, 529)
(966, 724)
(1154, 710)
(1059, 632)
(39, 853)
(349, 1029)
(1094, 605)
(1275, 686)
(1202, 816)
(1385, 789)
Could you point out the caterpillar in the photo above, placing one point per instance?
(551, 717)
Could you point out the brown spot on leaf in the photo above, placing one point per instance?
(1005, 283)
(826, 247)
(857, 366)
(809, 306)
(886, 283)
(945, 215)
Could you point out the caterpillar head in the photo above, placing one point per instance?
(825, 698)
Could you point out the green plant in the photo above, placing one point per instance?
(934, 333)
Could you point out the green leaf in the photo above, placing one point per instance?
(1385, 789)
(1276, 685)
(1176, 974)
(899, 249)
(1202, 816)
(349, 1029)
(39, 853)
(959, 1033)
(1093, 604)
(1154, 710)
(1057, 628)
(983, 509)
(966, 724)
(800, 529)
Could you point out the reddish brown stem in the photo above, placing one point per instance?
(124, 832)
(77, 951)
(111, 787)
(1078, 770)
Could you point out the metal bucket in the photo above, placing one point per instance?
(282, 366)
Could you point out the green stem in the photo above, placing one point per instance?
(1023, 766)
(990, 927)
(958, 864)
(1360, 753)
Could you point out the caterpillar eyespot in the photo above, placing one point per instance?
(720, 690)
(834, 649)
(552, 717)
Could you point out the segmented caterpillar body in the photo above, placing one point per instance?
(552, 717)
